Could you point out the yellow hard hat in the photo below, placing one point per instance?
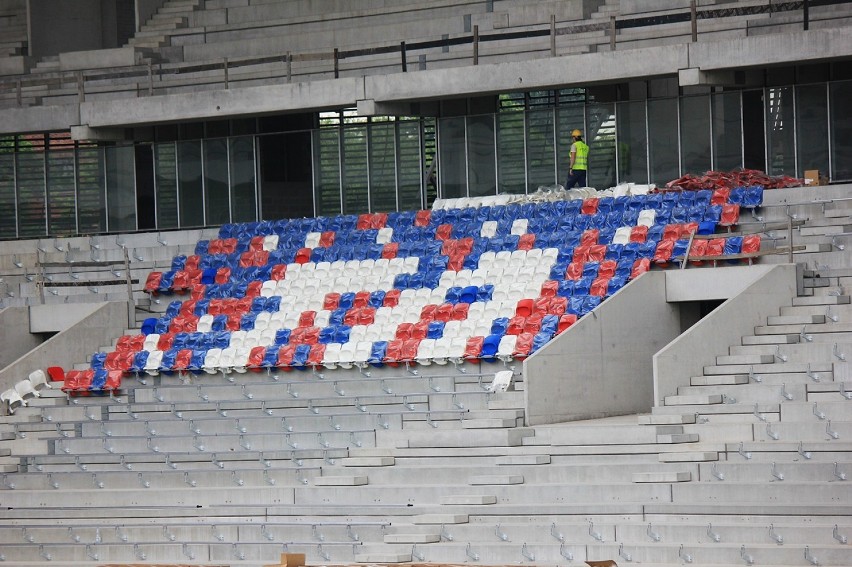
(577, 133)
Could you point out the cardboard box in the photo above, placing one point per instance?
(815, 177)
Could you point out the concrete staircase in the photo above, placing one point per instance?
(173, 15)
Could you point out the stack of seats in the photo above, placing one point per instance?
(487, 282)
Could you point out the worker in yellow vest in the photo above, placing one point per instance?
(579, 161)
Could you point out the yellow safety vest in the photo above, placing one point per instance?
(581, 159)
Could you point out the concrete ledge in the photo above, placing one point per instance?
(368, 462)
(666, 419)
(412, 538)
(385, 557)
(468, 499)
(340, 481)
(440, 519)
(99, 59)
(675, 476)
(496, 479)
(523, 460)
(689, 457)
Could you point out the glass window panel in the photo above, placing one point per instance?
(382, 166)
(409, 170)
(812, 130)
(354, 162)
(695, 134)
(285, 175)
(165, 171)
(327, 158)
(8, 222)
(600, 136)
(451, 164)
(430, 152)
(662, 140)
(727, 131)
(190, 184)
(243, 194)
(569, 117)
(511, 167)
(841, 131)
(30, 175)
(779, 129)
(216, 198)
(541, 158)
(91, 189)
(632, 142)
(61, 194)
(482, 174)
(121, 190)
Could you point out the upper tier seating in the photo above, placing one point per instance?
(490, 282)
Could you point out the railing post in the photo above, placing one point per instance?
(131, 305)
(225, 68)
(552, 35)
(790, 238)
(805, 13)
(476, 45)
(81, 88)
(402, 54)
(693, 18)
(18, 95)
(150, 79)
(289, 66)
(336, 63)
(612, 33)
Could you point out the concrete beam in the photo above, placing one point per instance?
(369, 107)
(552, 72)
(85, 133)
(39, 118)
(694, 77)
(99, 59)
(771, 49)
(224, 103)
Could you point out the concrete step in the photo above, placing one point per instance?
(785, 367)
(672, 476)
(780, 339)
(368, 462)
(824, 230)
(513, 460)
(677, 438)
(822, 300)
(437, 519)
(412, 538)
(493, 423)
(468, 499)
(495, 479)
(693, 400)
(689, 457)
(341, 481)
(666, 419)
(719, 380)
(744, 359)
(795, 320)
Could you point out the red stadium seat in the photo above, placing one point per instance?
(565, 322)
(549, 288)
(316, 355)
(639, 234)
(390, 250)
(443, 232)
(516, 325)
(590, 206)
(574, 270)
(306, 319)
(523, 345)
(303, 256)
(460, 311)
(597, 252)
(444, 312)
(255, 358)
(285, 356)
(326, 239)
(526, 241)
(361, 299)
(720, 196)
(422, 217)
(751, 244)
(331, 301)
(699, 248)
(525, 307)
(716, 247)
(278, 272)
(473, 348)
(671, 232)
(730, 215)
(590, 237)
(256, 243)
(607, 268)
(427, 313)
(663, 253)
(599, 287)
(152, 283)
(403, 331)
(640, 266)
(391, 298)
(223, 275)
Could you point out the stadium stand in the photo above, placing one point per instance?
(291, 283)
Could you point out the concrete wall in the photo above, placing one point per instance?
(764, 290)
(601, 366)
(145, 9)
(14, 341)
(98, 327)
(59, 25)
